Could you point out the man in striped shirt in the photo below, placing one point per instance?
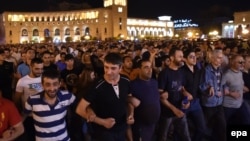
(49, 109)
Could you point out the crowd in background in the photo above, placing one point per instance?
(178, 90)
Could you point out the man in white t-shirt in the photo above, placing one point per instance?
(31, 83)
(26, 86)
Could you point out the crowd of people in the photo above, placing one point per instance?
(156, 90)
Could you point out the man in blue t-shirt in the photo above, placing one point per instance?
(147, 113)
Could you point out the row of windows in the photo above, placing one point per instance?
(57, 32)
(77, 16)
(58, 23)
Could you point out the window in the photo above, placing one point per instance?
(10, 32)
(24, 32)
(77, 31)
(120, 23)
(57, 32)
(120, 9)
(97, 31)
(67, 31)
(46, 33)
(35, 32)
(105, 30)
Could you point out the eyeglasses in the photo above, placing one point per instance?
(241, 62)
(192, 57)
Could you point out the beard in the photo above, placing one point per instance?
(178, 63)
(51, 93)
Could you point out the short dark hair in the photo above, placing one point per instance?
(36, 61)
(187, 52)
(6, 49)
(173, 51)
(29, 48)
(1, 51)
(113, 58)
(164, 57)
(69, 57)
(46, 52)
(125, 57)
(62, 53)
(52, 74)
(142, 61)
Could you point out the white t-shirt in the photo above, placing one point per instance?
(29, 86)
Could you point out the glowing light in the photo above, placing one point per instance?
(189, 34)
(164, 18)
(245, 31)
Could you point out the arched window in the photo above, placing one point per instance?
(87, 31)
(46, 33)
(35, 32)
(67, 31)
(77, 31)
(57, 32)
(24, 32)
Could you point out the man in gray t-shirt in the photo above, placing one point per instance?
(234, 85)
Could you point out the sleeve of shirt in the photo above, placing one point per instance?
(206, 81)
(19, 86)
(72, 99)
(224, 81)
(90, 94)
(15, 117)
(162, 80)
(28, 106)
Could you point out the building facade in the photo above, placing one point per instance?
(239, 28)
(99, 23)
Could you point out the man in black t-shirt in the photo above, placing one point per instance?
(6, 76)
(47, 64)
(106, 104)
(70, 74)
(172, 95)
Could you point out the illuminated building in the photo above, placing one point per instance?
(99, 23)
(185, 29)
(239, 28)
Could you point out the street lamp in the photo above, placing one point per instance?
(190, 34)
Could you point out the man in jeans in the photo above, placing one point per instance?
(212, 96)
(191, 84)
(172, 93)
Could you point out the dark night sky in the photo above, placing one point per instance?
(201, 11)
